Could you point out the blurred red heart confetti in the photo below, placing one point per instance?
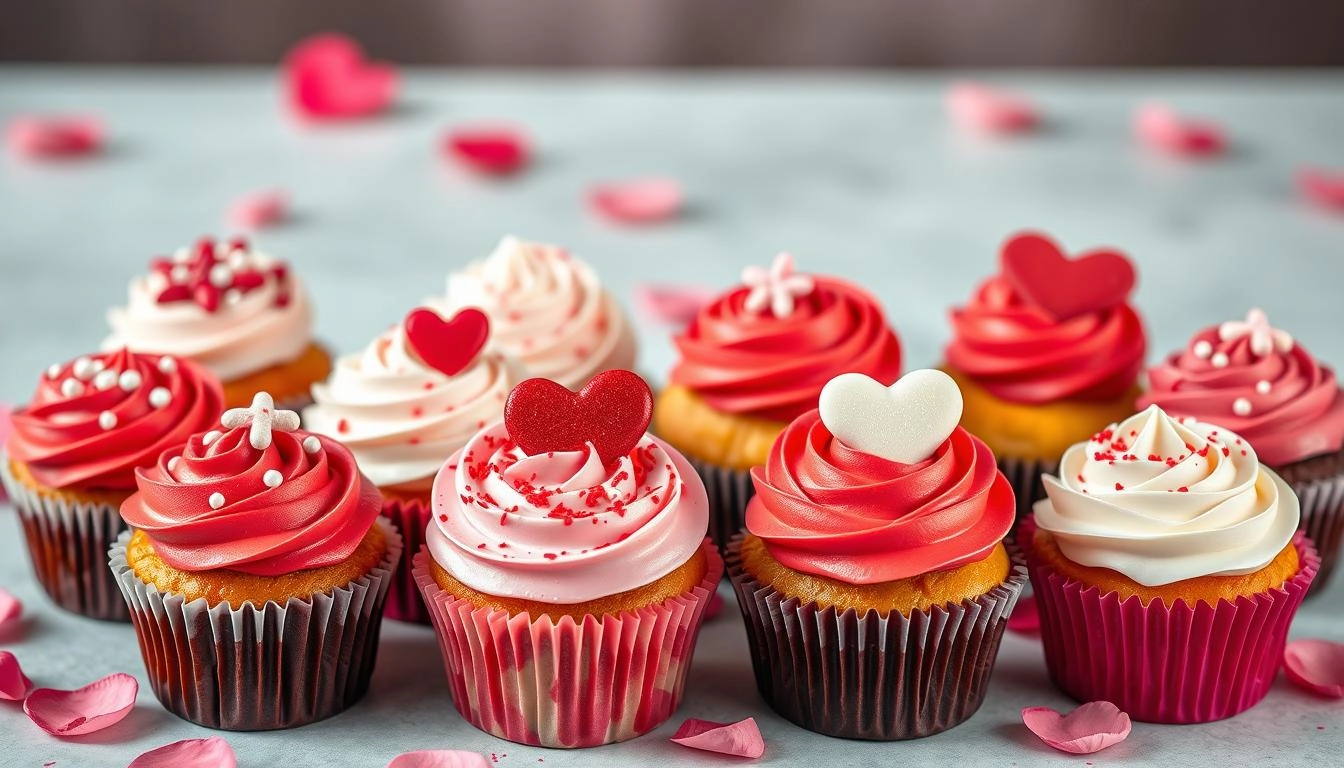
(740, 739)
(96, 706)
(1065, 288)
(1090, 728)
(990, 110)
(439, 758)
(1025, 618)
(1316, 665)
(1322, 186)
(209, 752)
(637, 201)
(327, 77)
(14, 685)
(491, 150)
(52, 137)
(10, 607)
(612, 412)
(447, 346)
(672, 304)
(715, 606)
(258, 209)
(1160, 127)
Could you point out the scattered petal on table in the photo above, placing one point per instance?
(990, 110)
(1317, 665)
(327, 77)
(1158, 126)
(10, 606)
(1025, 618)
(715, 606)
(740, 739)
(1322, 186)
(1092, 727)
(259, 209)
(49, 137)
(210, 752)
(638, 201)
(672, 304)
(14, 685)
(92, 708)
(494, 150)
(439, 758)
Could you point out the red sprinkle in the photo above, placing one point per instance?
(1119, 487)
(1182, 489)
(342, 426)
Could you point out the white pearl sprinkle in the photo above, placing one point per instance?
(1241, 406)
(173, 462)
(272, 478)
(105, 379)
(71, 387)
(216, 500)
(179, 273)
(83, 368)
(238, 259)
(107, 419)
(221, 276)
(130, 380)
(210, 437)
(1262, 387)
(167, 364)
(311, 444)
(1219, 360)
(54, 371)
(160, 397)
(98, 365)
(1202, 349)
(233, 296)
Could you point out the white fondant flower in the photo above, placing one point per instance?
(263, 417)
(1264, 337)
(777, 288)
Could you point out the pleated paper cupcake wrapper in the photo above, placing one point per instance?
(404, 602)
(1322, 500)
(567, 684)
(1025, 477)
(729, 491)
(67, 544)
(872, 676)
(1165, 664)
(257, 669)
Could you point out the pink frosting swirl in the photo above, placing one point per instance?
(560, 527)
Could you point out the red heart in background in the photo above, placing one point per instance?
(1066, 288)
(1322, 186)
(495, 150)
(1162, 128)
(328, 77)
(990, 110)
(612, 412)
(446, 345)
(41, 136)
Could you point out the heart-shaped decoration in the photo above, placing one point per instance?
(990, 110)
(1090, 728)
(1322, 186)
(327, 77)
(905, 422)
(612, 412)
(495, 151)
(639, 201)
(41, 136)
(1160, 127)
(1066, 288)
(447, 346)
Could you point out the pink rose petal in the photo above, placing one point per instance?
(92, 708)
(10, 607)
(492, 150)
(638, 201)
(1025, 618)
(1322, 186)
(49, 137)
(1158, 126)
(1092, 727)
(672, 304)
(326, 77)
(210, 752)
(740, 739)
(259, 209)
(1317, 665)
(14, 685)
(986, 109)
(439, 758)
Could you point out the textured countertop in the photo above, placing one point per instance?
(859, 175)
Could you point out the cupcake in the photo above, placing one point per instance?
(1167, 566)
(756, 358)
(70, 462)
(256, 573)
(1258, 382)
(403, 405)
(547, 309)
(236, 311)
(1044, 352)
(566, 568)
(872, 575)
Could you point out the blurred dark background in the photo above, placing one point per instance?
(691, 33)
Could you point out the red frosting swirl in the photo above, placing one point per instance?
(1284, 402)
(314, 516)
(1021, 354)
(95, 419)
(826, 509)
(760, 365)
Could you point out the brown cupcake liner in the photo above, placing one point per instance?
(259, 668)
(404, 602)
(1319, 485)
(67, 544)
(1025, 477)
(729, 491)
(872, 676)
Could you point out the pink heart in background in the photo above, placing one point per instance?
(1322, 186)
(990, 110)
(637, 201)
(41, 136)
(94, 707)
(258, 210)
(209, 752)
(740, 739)
(1092, 727)
(1316, 665)
(1161, 128)
(327, 77)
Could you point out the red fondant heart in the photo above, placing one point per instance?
(328, 77)
(490, 150)
(1066, 288)
(446, 345)
(612, 412)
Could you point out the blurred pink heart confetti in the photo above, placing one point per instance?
(1025, 618)
(42, 136)
(672, 304)
(10, 606)
(439, 758)
(1322, 186)
(637, 201)
(1090, 728)
(1160, 127)
(327, 78)
(740, 739)
(14, 685)
(990, 110)
(491, 150)
(258, 210)
(1317, 665)
(94, 707)
(715, 606)
(209, 752)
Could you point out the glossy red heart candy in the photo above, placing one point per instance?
(1066, 288)
(447, 346)
(612, 412)
(328, 77)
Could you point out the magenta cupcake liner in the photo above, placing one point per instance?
(259, 668)
(1025, 477)
(567, 684)
(404, 602)
(729, 491)
(1319, 485)
(1165, 664)
(872, 676)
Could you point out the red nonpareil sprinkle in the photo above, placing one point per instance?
(1154, 457)
(417, 412)
(430, 385)
(549, 555)
(504, 518)
(481, 545)
(1227, 451)
(443, 518)
(342, 426)
(1243, 453)
(1080, 479)
(1183, 489)
(1119, 487)
(414, 441)
(580, 352)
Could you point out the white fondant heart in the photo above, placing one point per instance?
(905, 422)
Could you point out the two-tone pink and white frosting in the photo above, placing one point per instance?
(547, 309)
(1162, 499)
(560, 527)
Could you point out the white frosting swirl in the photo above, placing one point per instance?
(1161, 500)
(401, 418)
(560, 527)
(547, 309)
